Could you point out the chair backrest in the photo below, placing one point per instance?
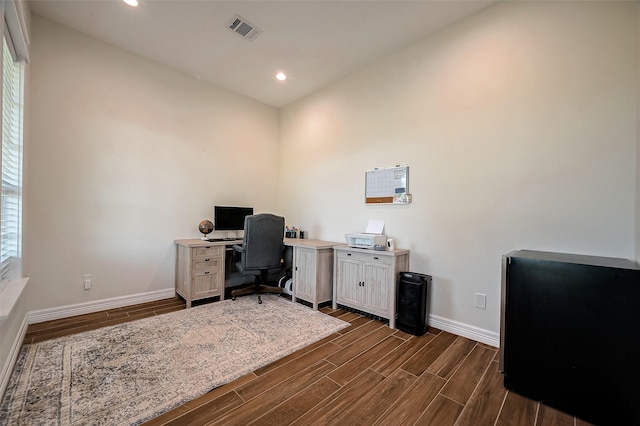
(263, 241)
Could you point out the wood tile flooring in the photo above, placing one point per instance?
(367, 374)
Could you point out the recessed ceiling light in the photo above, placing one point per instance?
(281, 76)
(133, 3)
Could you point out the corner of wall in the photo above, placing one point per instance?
(637, 212)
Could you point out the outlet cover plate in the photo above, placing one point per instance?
(481, 301)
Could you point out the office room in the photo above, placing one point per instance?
(520, 123)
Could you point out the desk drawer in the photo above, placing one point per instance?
(207, 251)
(207, 285)
(366, 257)
(207, 265)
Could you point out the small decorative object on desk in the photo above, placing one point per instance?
(206, 227)
(291, 232)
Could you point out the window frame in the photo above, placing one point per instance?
(14, 56)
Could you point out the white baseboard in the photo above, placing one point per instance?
(7, 368)
(465, 330)
(98, 305)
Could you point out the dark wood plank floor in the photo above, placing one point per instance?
(367, 374)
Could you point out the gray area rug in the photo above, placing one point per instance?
(132, 372)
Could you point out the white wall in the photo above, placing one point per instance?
(125, 156)
(638, 141)
(519, 125)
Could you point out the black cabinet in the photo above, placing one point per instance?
(570, 333)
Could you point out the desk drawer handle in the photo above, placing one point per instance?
(206, 260)
(348, 254)
(376, 258)
(206, 272)
(208, 247)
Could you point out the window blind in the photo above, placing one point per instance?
(11, 165)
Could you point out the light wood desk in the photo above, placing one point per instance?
(200, 269)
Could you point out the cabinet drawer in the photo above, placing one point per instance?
(207, 251)
(206, 286)
(366, 257)
(210, 264)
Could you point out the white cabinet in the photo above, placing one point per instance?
(312, 270)
(368, 280)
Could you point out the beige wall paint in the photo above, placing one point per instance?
(123, 157)
(519, 125)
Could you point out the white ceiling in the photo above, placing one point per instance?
(315, 42)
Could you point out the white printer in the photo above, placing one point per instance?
(368, 241)
(371, 238)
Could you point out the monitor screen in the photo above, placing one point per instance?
(227, 218)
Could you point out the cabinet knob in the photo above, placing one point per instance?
(348, 254)
(206, 272)
(376, 258)
(206, 260)
(208, 247)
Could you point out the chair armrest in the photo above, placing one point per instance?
(239, 249)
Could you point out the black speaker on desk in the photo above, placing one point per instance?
(412, 303)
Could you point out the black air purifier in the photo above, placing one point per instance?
(412, 303)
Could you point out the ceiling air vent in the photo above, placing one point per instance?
(246, 30)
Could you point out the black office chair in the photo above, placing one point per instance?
(261, 252)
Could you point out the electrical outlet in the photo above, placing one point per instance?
(481, 301)
(88, 281)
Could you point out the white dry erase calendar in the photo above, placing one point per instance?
(387, 185)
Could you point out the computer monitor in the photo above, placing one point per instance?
(229, 218)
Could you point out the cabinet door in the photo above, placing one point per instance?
(349, 282)
(377, 280)
(305, 273)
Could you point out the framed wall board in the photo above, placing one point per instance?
(386, 185)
